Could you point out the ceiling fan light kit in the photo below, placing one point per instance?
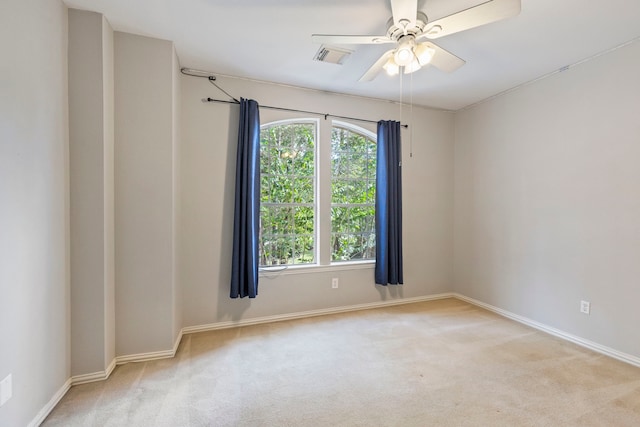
(414, 66)
(404, 54)
(410, 56)
(408, 26)
(391, 67)
(424, 52)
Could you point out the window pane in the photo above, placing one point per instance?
(287, 196)
(265, 187)
(303, 190)
(371, 191)
(302, 163)
(340, 220)
(304, 249)
(339, 191)
(353, 165)
(350, 246)
(304, 220)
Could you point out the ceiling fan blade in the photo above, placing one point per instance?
(345, 39)
(404, 12)
(443, 59)
(373, 71)
(485, 13)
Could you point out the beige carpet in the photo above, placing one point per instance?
(439, 363)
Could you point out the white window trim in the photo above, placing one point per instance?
(286, 270)
(362, 131)
(322, 214)
(316, 123)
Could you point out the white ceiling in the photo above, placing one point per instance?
(270, 40)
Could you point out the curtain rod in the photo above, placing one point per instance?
(209, 76)
(204, 74)
(298, 111)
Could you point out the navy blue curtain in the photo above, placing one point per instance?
(246, 218)
(388, 205)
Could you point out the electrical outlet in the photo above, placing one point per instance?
(585, 307)
(334, 283)
(5, 390)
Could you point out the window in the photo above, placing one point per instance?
(287, 200)
(353, 185)
(295, 172)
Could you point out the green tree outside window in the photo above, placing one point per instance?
(288, 211)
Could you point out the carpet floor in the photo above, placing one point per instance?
(436, 363)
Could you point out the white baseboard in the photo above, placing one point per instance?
(310, 313)
(144, 357)
(44, 412)
(94, 376)
(607, 351)
(154, 355)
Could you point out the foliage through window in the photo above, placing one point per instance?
(287, 200)
(353, 185)
(290, 182)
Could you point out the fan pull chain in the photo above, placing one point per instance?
(401, 79)
(411, 115)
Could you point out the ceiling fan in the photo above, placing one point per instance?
(408, 29)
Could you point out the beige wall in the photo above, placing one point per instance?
(528, 202)
(109, 197)
(145, 196)
(34, 210)
(547, 200)
(209, 141)
(91, 187)
(177, 191)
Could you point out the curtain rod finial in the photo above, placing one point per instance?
(197, 73)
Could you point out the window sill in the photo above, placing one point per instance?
(315, 268)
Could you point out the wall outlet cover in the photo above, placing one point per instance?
(585, 307)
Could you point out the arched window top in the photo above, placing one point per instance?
(354, 128)
(297, 162)
(286, 122)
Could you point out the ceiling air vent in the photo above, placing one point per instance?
(332, 55)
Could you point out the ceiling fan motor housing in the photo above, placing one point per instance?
(396, 33)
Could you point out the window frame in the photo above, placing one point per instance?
(316, 126)
(366, 134)
(322, 194)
